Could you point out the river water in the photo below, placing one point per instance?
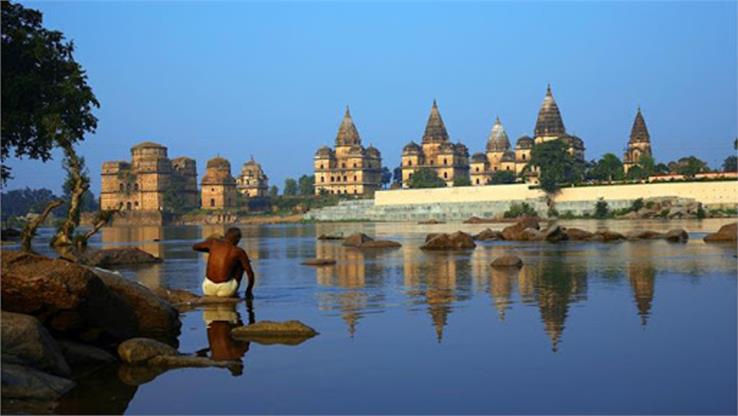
(632, 327)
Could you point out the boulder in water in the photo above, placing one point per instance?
(644, 235)
(507, 261)
(26, 342)
(380, 244)
(330, 237)
(726, 233)
(156, 318)
(141, 350)
(454, 241)
(319, 262)
(554, 234)
(356, 240)
(515, 232)
(677, 236)
(67, 298)
(488, 235)
(263, 329)
(577, 234)
(27, 384)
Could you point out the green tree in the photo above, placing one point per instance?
(19, 202)
(290, 187)
(273, 191)
(647, 165)
(462, 181)
(397, 176)
(174, 200)
(46, 102)
(502, 177)
(635, 172)
(730, 164)
(556, 166)
(386, 176)
(601, 209)
(661, 168)
(88, 202)
(690, 166)
(306, 185)
(608, 168)
(520, 210)
(426, 178)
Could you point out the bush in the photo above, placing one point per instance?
(701, 212)
(601, 209)
(462, 181)
(426, 178)
(649, 204)
(520, 210)
(502, 177)
(664, 213)
(637, 204)
(552, 213)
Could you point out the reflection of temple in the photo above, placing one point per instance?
(433, 281)
(642, 278)
(557, 286)
(349, 273)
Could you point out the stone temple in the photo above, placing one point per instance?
(500, 156)
(253, 182)
(639, 143)
(142, 183)
(218, 187)
(350, 168)
(436, 152)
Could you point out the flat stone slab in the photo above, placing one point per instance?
(319, 262)
(271, 332)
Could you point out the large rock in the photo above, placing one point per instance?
(83, 355)
(507, 261)
(430, 222)
(116, 257)
(554, 234)
(577, 234)
(156, 318)
(181, 361)
(644, 235)
(514, 232)
(25, 341)
(455, 241)
(356, 240)
(677, 236)
(607, 236)
(68, 299)
(26, 383)
(141, 350)
(726, 233)
(488, 235)
(380, 244)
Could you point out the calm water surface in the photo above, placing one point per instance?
(633, 327)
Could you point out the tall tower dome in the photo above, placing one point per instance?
(639, 143)
(218, 186)
(435, 130)
(347, 135)
(549, 124)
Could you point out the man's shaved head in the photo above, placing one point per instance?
(233, 235)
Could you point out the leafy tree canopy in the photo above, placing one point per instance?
(397, 176)
(730, 164)
(290, 187)
(608, 168)
(556, 166)
(426, 178)
(386, 176)
(462, 181)
(306, 184)
(273, 191)
(502, 176)
(688, 166)
(45, 96)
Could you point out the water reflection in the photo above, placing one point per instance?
(219, 321)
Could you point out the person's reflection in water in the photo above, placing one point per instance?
(220, 319)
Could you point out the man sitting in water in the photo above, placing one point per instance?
(226, 264)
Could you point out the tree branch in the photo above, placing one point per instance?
(29, 231)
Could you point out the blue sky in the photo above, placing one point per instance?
(272, 79)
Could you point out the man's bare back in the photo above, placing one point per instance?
(226, 260)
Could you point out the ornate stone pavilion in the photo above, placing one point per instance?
(218, 188)
(500, 156)
(449, 160)
(639, 143)
(142, 183)
(349, 168)
(253, 182)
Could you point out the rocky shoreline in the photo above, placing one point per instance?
(63, 320)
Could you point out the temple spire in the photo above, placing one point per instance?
(435, 130)
(347, 135)
(549, 122)
(639, 132)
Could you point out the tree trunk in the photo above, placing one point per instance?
(80, 183)
(102, 219)
(29, 231)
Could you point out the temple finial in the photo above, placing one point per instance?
(548, 89)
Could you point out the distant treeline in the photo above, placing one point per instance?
(20, 202)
